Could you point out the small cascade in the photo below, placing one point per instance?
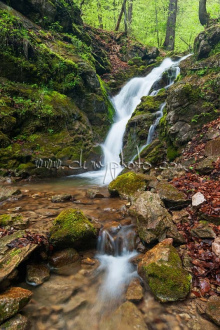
(116, 247)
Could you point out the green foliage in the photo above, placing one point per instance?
(150, 18)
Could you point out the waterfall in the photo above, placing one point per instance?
(125, 103)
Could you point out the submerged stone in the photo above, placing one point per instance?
(12, 301)
(127, 184)
(71, 228)
(64, 257)
(127, 316)
(37, 274)
(60, 198)
(161, 268)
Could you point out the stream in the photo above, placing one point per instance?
(86, 294)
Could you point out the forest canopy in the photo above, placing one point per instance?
(147, 19)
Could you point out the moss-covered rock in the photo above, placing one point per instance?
(12, 301)
(126, 185)
(161, 268)
(207, 42)
(72, 228)
(13, 220)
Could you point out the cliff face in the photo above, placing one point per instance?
(53, 103)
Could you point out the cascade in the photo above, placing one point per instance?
(125, 103)
(115, 249)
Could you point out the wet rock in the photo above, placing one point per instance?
(206, 166)
(154, 223)
(64, 257)
(212, 148)
(216, 246)
(161, 268)
(61, 198)
(198, 199)
(213, 309)
(171, 196)
(71, 228)
(203, 230)
(94, 193)
(126, 185)
(6, 192)
(112, 227)
(13, 220)
(127, 316)
(12, 301)
(37, 274)
(17, 322)
(11, 258)
(135, 291)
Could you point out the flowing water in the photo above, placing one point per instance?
(125, 103)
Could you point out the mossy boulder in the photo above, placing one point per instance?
(161, 268)
(12, 301)
(72, 228)
(13, 220)
(127, 184)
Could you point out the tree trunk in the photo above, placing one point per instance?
(99, 7)
(130, 12)
(171, 26)
(125, 20)
(157, 30)
(203, 15)
(120, 15)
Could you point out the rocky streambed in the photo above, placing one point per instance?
(50, 276)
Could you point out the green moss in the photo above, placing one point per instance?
(10, 220)
(168, 280)
(172, 153)
(5, 219)
(111, 110)
(149, 103)
(127, 184)
(70, 227)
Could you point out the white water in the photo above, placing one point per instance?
(114, 253)
(125, 103)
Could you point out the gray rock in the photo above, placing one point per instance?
(171, 196)
(198, 199)
(154, 223)
(60, 198)
(203, 231)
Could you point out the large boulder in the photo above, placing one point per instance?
(161, 268)
(154, 223)
(127, 184)
(12, 301)
(71, 228)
